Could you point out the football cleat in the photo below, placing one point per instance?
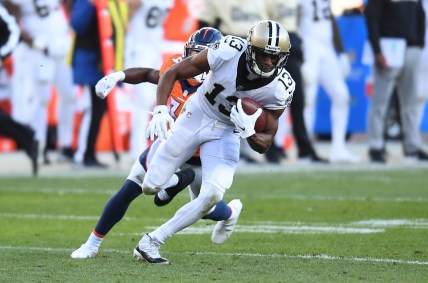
(343, 156)
(148, 250)
(185, 178)
(223, 229)
(85, 251)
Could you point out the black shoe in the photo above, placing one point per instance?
(33, 153)
(66, 154)
(422, 155)
(377, 155)
(312, 158)
(94, 163)
(275, 154)
(185, 178)
(248, 159)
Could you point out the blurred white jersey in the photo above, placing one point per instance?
(315, 21)
(145, 34)
(38, 15)
(221, 89)
(143, 48)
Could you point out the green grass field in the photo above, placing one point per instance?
(322, 226)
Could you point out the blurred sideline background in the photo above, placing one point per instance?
(179, 25)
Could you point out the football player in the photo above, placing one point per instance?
(39, 64)
(323, 66)
(213, 119)
(227, 215)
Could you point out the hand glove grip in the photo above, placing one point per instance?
(158, 124)
(107, 84)
(244, 123)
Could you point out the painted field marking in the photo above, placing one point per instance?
(358, 227)
(109, 192)
(316, 257)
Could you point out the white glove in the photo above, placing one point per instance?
(345, 64)
(106, 84)
(158, 124)
(244, 123)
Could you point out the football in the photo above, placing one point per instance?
(250, 106)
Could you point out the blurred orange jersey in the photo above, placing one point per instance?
(182, 90)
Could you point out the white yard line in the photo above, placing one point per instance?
(109, 192)
(315, 257)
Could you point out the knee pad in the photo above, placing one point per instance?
(137, 173)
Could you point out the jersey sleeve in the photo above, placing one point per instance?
(169, 62)
(284, 91)
(224, 50)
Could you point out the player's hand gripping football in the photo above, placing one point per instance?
(244, 123)
(158, 124)
(107, 83)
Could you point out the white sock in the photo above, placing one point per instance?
(163, 195)
(94, 240)
(171, 182)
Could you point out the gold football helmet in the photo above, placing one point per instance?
(271, 38)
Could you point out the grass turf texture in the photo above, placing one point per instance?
(326, 226)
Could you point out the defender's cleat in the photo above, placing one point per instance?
(148, 250)
(85, 251)
(223, 229)
(185, 178)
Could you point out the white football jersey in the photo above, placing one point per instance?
(227, 82)
(315, 21)
(146, 25)
(42, 16)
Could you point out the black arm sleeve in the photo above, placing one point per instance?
(421, 25)
(373, 13)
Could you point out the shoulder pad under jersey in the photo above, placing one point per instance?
(228, 47)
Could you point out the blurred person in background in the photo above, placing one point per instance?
(390, 24)
(20, 133)
(286, 12)
(326, 64)
(88, 70)
(143, 47)
(40, 64)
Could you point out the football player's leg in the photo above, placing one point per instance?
(42, 93)
(22, 84)
(339, 114)
(113, 212)
(171, 154)
(310, 75)
(84, 106)
(408, 99)
(66, 105)
(148, 247)
(219, 159)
